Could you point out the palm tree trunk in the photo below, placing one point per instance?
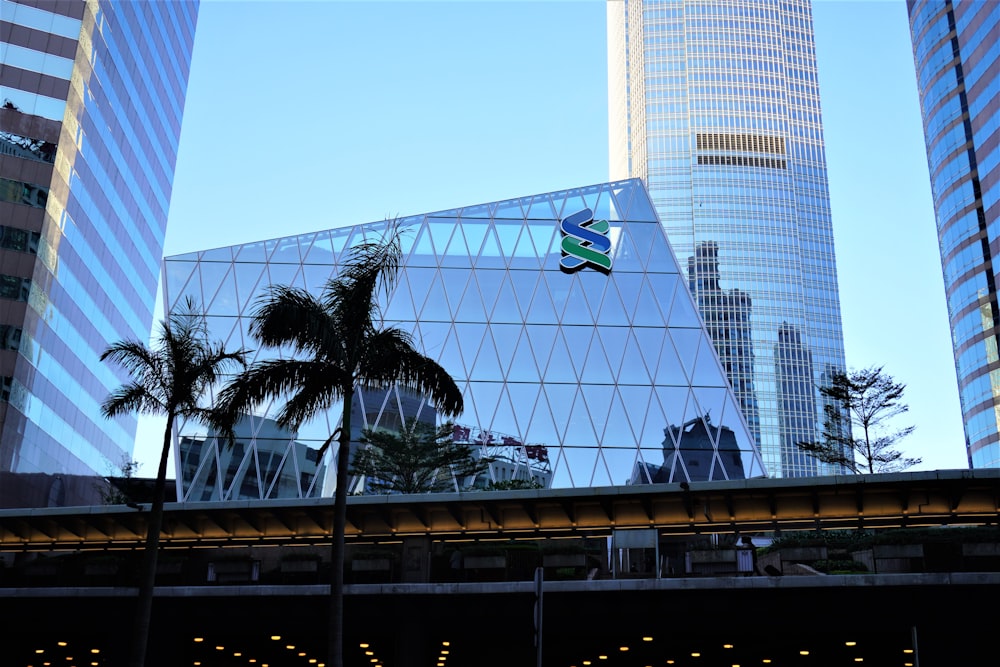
(143, 614)
(336, 632)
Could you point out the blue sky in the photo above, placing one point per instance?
(309, 115)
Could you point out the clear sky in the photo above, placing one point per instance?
(302, 116)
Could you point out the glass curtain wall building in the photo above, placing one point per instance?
(93, 94)
(715, 105)
(564, 318)
(956, 51)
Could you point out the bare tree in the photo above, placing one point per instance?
(862, 402)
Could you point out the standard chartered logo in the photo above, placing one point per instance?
(585, 241)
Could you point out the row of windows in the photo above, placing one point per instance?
(21, 240)
(27, 147)
(14, 288)
(19, 192)
(742, 161)
(755, 143)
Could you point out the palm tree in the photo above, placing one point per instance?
(339, 344)
(167, 379)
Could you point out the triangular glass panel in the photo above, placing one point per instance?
(218, 255)
(524, 255)
(220, 289)
(435, 306)
(629, 254)
(423, 249)
(687, 342)
(471, 308)
(487, 398)
(487, 365)
(580, 426)
(602, 470)
(490, 255)
(489, 287)
(560, 399)
(574, 303)
(457, 254)
(541, 428)
(619, 429)
(580, 464)
(597, 400)
(523, 367)
(509, 209)
(316, 277)
(505, 419)
(440, 231)
(401, 302)
(670, 370)
(541, 208)
(632, 368)
(544, 238)
(470, 339)
(475, 235)
(319, 250)
(505, 309)
(179, 283)
(673, 404)
(284, 274)
(660, 258)
(611, 309)
(504, 339)
(507, 232)
(612, 340)
(594, 366)
(683, 313)
(662, 287)
(707, 371)
(286, 250)
(647, 311)
(559, 366)
(251, 252)
(454, 282)
(541, 309)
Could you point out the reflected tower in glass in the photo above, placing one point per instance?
(956, 51)
(715, 105)
(92, 98)
(581, 362)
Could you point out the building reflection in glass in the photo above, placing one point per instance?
(568, 377)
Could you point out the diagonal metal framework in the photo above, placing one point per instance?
(571, 378)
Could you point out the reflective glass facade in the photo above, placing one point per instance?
(93, 93)
(715, 105)
(956, 51)
(573, 374)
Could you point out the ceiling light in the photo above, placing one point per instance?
(907, 650)
(445, 643)
(696, 655)
(727, 646)
(803, 652)
(623, 648)
(647, 639)
(363, 645)
(850, 643)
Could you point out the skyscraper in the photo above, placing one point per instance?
(956, 50)
(93, 93)
(715, 105)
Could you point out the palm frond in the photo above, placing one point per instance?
(287, 315)
(132, 397)
(390, 357)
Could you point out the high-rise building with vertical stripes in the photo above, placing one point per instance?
(956, 51)
(715, 105)
(92, 98)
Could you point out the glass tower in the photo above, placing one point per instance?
(956, 50)
(93, 94)
(714, 104)
(574, 372)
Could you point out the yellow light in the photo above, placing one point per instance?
(803, 652)
(727, 646)
(237, 654)
(363, 645)
(766, 661)
(850, 643)
(95, 650)
(907, 664)
(440, 664)
(220, 648)
(290, 647)
(39, 650)
(445, 643)
(907, 650)
(647, 639)
(95, 663)
(670, 662)
(374, 659)
(696, 655)
(61, 643)
(602, 657)
(859, 660)
(369, 652)
(623, 648)
(196, 663)
(586, 662)
(302, 654)
(199, 639)
(444, 652)
(312, 661)
(275, 637)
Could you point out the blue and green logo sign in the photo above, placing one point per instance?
(585, 241)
